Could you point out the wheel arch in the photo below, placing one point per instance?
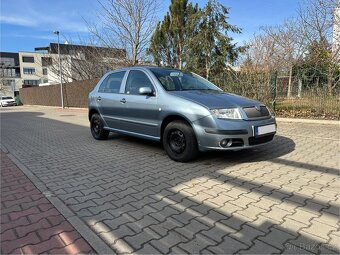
(91, 112)
(170, 118)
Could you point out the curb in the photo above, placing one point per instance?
(56, 107)
(90, 236)
(311, 121)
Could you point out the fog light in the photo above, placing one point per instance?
(226, 143)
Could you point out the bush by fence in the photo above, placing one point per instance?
(75, 94)
(293, 96)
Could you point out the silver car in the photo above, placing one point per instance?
(182, 110)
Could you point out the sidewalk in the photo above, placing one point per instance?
(30, 224)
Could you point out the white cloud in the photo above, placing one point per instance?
(44, 20)
(39, 37)
(13, 20)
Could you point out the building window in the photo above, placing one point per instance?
(7, 61)
(31, 82)
(29, 70)
(46, 61)
(44, 71)
(27, 59)
(10, 83)
(10, 72)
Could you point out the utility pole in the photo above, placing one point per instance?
(60, 75)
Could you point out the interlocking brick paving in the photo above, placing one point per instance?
(283, 197)
(29, 222)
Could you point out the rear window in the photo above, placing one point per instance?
(112, 83)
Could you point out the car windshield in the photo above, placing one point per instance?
(5, 98)
(175, 80)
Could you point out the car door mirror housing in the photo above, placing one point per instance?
(146, 91)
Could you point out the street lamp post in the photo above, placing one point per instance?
(60, 76)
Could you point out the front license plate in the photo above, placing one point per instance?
(262, 130)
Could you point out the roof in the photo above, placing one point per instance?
(74, 48)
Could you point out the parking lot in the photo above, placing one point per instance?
(283, 197)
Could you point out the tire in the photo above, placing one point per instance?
(179, 141)
(97, 128)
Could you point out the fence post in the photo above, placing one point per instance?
(274, 89)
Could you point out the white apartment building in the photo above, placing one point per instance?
(34, 68)
(24, 69)
(27, 69)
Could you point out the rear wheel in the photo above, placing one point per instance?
(97, 127)
(179, 141)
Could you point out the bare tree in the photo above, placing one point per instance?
(317, 22)
(289, 48)
(307, 37)
(126, 24)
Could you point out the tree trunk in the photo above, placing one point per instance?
(299, 88)
(134, 55)
(180, 56)
(330, 80)
(207, 69)
(289, 92)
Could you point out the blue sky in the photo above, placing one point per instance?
(26, 24)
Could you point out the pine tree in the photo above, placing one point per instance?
(169, 41)
(211, 47)
(195, 39)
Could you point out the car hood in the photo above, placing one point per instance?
(213, 99)
(8, 100)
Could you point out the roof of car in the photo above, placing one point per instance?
(146, 67)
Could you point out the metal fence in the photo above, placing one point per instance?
(287, 96)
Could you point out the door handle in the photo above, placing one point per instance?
(99, 98)
(123, 100)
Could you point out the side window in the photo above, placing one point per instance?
(112, 83)
(137, 79)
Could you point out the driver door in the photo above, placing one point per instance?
(141, 111)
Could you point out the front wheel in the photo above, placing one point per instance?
(179, 141)
(97, 127)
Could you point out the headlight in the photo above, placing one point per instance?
(232, 113)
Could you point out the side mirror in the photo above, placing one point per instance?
(146, 91)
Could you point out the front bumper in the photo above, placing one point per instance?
(9, 104)
(240, 133)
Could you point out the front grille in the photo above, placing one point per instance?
(259, 140)
(252, 112)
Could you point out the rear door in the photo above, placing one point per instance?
(108, 99)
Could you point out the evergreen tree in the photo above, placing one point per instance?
(169, 41)
(211, 47)
(161, 45)
(195, 39)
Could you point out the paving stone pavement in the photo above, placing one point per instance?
(283, 197)
(30, 224)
